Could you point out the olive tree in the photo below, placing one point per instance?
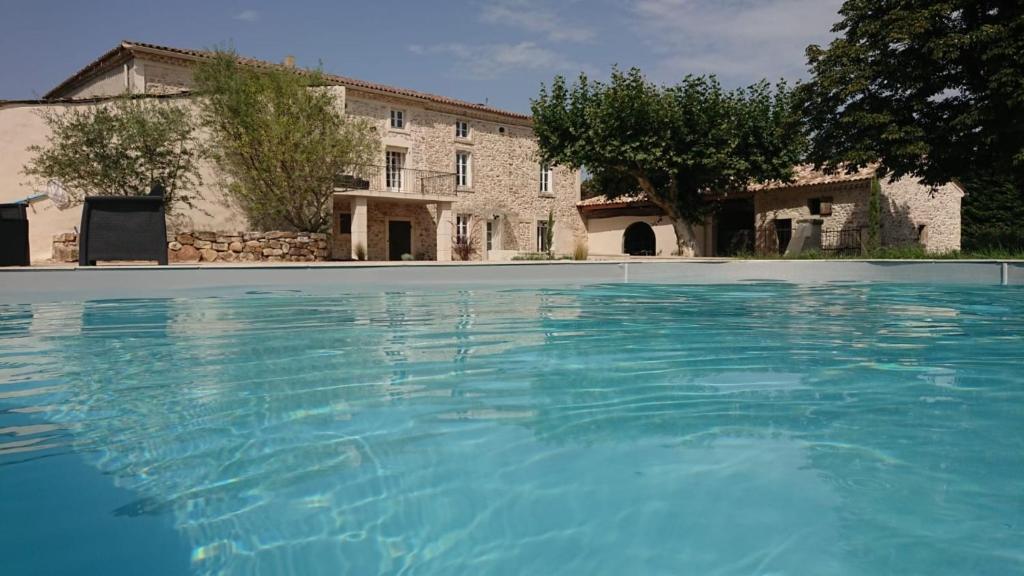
(282, 138)
(679, 144)
(123, 147)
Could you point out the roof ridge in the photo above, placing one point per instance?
(129, 45)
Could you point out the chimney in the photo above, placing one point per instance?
(289, 61)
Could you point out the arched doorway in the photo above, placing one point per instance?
(638, 240)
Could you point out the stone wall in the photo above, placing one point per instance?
(915, 213)
(911, 213)
(849, 209)
(504, 182)
(201, 246)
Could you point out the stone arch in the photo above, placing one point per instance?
(638, 240)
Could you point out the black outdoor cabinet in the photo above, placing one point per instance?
(14, 235)
(123, 228)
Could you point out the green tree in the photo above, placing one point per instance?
(678, 144)
(121, 148)
(874, 240)
(992, 214)
(549, 233)
(282, 138)
(933, 89)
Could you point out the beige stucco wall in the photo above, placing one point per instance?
(109, 83)
(906, 205)
(22, 126)
(606, 235)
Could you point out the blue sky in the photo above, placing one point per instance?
(497, 51)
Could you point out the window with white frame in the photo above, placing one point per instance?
(461, 129)
(545, 179)
(397, 119)
(462, 228)
(490, 235)
(395, 162)
(462, 169)
(542, 236)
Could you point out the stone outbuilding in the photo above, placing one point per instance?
(763, 219)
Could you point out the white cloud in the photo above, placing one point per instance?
(740, 40)
(491, 60)
(525, 15)
(247, 16)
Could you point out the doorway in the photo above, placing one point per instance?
(399, 238)
(638, 240)
(783, 233)
(735, 227)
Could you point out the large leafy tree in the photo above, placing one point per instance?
(122, 148)
(933, 89)
(680, 144)
(282, 139)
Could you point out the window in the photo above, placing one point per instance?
(814, 205)
(462, 169)
(393, 172)
(461, 129)
(398, 119)
(462, 229)
(344, 223)
(542, 236)
(545, 179)
(490, 235)
(820, 206)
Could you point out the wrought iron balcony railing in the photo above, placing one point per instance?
(398, 180)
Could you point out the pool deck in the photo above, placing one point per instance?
(63, 282)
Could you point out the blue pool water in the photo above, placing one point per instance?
(617, 429)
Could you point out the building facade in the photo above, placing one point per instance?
(455, 179)
(763, 219)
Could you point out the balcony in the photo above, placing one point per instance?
(395, 183)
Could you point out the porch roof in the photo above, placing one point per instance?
(395, 196)
(804, 176)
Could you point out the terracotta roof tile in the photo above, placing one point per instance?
(604, 199)
(803, 176)
(128, 46)
(806, 175)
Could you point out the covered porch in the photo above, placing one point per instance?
(390, 213)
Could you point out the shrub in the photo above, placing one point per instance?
(580, 252)
(465, 248)
(282, 139)
(874, 239)
(122, 148)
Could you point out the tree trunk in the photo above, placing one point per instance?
(686, 236)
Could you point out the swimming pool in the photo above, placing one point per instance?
(604, 429)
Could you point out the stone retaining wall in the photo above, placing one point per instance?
(274, 246)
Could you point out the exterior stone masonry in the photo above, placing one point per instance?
(911, 213)
(272, 246)
(504, 180)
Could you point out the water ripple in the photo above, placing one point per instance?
(614, 429)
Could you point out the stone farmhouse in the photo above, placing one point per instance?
(451, 172)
